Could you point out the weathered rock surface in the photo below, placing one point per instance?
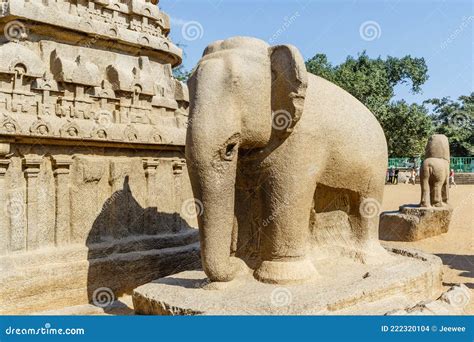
(451, 302)
(342, 287)
(413, 223)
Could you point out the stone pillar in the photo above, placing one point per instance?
(31, 167)
(4, 227)
(150, 165)
(178, 166)
(62, 231)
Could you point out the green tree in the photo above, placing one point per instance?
(180, 73)
(372, 81)
(455, 120)
(407, 128)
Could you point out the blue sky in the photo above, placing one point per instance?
(439, 31)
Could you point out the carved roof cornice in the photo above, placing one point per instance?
(136, 23)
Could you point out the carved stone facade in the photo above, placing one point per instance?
(92, 168)
(107, 78)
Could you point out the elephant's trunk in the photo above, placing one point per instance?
(212, 142)
(215, 189)
(216, 236)
(211, 152)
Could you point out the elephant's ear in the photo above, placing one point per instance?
(289, 83)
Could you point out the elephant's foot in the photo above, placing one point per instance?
(373, 254)
(220, 285)
(424, 204)
(240, 269)
(285, 272)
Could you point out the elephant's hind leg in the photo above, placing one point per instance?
(445, 190)
(437, 196)
(425, 188)
(364, 220)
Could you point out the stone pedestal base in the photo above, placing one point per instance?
(55, 278)
(342, 287)
(413, 223)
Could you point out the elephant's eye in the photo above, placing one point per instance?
(229, 151)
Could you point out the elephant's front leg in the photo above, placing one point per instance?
(288, 194)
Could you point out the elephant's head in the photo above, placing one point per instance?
(243, 93)
(437, 147)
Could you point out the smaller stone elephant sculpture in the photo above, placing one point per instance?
(434, 173)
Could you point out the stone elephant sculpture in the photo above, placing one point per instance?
(434, 173)
(259, 121)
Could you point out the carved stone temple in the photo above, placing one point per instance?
(92, 168)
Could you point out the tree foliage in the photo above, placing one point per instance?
(372, 81)
(407, 128)
(455, 120)
(181, 74)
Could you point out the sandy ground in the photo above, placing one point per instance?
(455, 248)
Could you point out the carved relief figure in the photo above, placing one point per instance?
(40, 127)
(434, 173)
(77, 81)
(255, 111)
(9, 125)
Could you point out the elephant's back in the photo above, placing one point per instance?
(340, 110)
(347, 130)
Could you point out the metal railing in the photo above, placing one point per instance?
(458, 164)
(462, 164)
(403, 163)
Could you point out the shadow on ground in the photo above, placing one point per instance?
(463, 263)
